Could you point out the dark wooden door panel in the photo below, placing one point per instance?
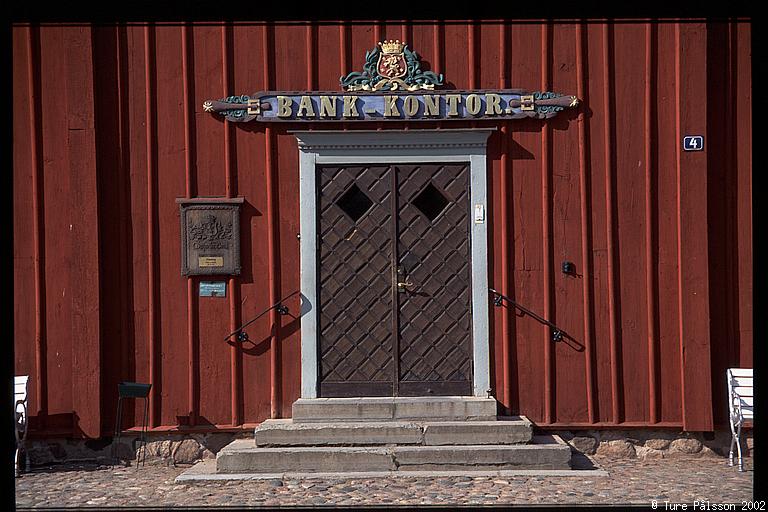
(378, 338)
(355, 288)
(435, 349)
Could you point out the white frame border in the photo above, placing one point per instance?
(392, 147)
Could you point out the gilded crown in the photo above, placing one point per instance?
(392, 46)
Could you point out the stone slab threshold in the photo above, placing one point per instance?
(545, 452)
(458, 408)
(284, 432)
(205, 471)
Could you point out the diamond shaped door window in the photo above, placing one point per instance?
(430, 202)
(354, 203)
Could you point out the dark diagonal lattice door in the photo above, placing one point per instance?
(394, 283)
(435, 347)
(355, 292)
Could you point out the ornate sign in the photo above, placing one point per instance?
(391, 87)
(389, 67)
(210, 236)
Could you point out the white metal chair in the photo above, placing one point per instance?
(741, 404)
(20, 407)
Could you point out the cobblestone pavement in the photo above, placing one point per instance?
(630, 481)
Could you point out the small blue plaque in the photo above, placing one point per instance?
(693, 142)
(213, 288)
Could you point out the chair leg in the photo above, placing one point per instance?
(738, 447)
(733, 441)
(16, 461)
(143, 437)
(115, 452)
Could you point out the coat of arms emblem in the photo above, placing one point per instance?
(391, 66)
(391, 60)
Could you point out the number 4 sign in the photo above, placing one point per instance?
(693, 143)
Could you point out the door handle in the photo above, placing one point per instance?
(402, 285)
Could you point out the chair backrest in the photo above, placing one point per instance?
(20, 390)
(741, 388)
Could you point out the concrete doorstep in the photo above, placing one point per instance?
(243, 456)
(205, 471)
(442, 408)
(289, 433)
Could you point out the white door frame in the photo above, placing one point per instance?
(322, 147)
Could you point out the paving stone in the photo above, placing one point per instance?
(158, 449)
(584, 444)
(685, 446)
(644, 452)
(683, 478)
(658, 444)
(616, 449)
(708, 452)
(187, 451)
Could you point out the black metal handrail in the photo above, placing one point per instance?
(281, 308)
(557, 333)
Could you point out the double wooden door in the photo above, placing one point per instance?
(394, 280)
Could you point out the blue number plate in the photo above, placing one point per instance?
(693, 143)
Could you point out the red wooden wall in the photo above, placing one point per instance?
(109, 131)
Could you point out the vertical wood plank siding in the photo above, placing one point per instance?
(660, 305)
(189, 164)
(610, 178)
(584, 200)
(649, 198)
(504, 395)
(151, 149)
(272, 226)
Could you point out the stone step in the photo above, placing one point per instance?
(546, 452)
(439, 408)
(514, 430)
(242, 456)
